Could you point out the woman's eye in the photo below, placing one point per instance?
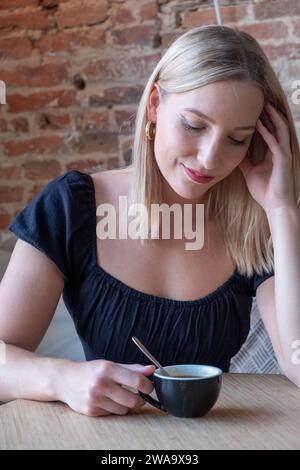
(238, 142)
(190, 128)
(195, 129)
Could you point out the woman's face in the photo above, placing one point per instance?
(208, 130)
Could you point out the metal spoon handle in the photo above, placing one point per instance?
(148, 354)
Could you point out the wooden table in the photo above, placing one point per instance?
(253, 412)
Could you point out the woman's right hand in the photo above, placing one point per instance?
(96, 388)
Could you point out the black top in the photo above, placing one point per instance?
(61, 222)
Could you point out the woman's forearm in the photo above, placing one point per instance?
(285, 230)
(26, 375)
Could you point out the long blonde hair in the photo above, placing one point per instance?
(201, 56)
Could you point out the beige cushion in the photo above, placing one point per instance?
(256, 355)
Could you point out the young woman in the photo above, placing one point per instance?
(214, 106)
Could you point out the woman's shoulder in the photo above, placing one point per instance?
(102, 183)
(109, 184)
(111, 176)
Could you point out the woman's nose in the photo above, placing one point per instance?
(209, 156)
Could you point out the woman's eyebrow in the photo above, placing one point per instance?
(195, 111)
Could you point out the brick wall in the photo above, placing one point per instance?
(75, 69)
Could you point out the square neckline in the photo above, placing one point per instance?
(207, 299)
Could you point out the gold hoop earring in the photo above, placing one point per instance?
(149, 130)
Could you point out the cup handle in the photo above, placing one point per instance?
(152, 401)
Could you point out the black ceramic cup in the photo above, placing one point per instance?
(190, 391)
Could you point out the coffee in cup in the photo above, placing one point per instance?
(190, 390)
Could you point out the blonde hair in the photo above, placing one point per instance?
(201, 56)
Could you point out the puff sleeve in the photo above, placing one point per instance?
(46, 223)
(258, 279)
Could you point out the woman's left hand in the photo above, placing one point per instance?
(270, 183)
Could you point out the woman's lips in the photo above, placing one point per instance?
(196, 176)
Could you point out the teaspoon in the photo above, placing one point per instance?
(149, 355)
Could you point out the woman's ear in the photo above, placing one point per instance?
(153, 102)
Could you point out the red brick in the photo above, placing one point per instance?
(296, 26)
(95, 141)
(20, 125)
(50, 144)
(266, 10)
(5, 220)
(92, 166)
(288, 51)
(148, 11)
(116, 95)
(15, 47)
(10, 173)
(37, 188)
(11, 194)
(121, 15)
(44, 170)
(54, 121)
(89, 121)
(12, 4)
(54, 99)
(70, 41)
(144, 35)
(81, 12)
(93, 39)
(51, 3)
(3, 125)
(126, 150)
(112, 162)
(230, 14)
(87, 165)
(125, 120)
(122, 67)
(26, 20)
(168, 38)
(44, 75)
(260, 31)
